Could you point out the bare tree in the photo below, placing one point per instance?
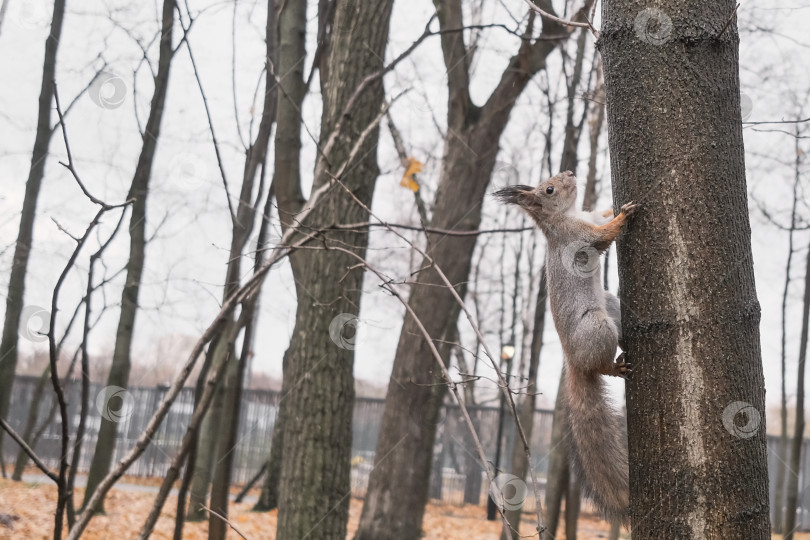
(520, 464)
(139, 190)
(398, 484)
(211, 459)
(779, 496)
(318, 386)
(287, 175)
(690, 315)
(22, 249)
(798, 426)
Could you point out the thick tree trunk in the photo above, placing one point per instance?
(690, 315)
(318, 385)
(22, 250)
(798, 426)
(398, 485)
(139, 190)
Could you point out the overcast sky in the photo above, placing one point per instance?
(187, 212)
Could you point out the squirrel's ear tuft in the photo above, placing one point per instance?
(512, 194)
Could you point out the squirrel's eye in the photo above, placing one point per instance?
(550, 190)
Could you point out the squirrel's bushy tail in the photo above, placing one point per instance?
(598, 452)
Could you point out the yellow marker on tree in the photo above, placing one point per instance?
(414, 166)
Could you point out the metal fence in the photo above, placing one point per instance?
(456, 475)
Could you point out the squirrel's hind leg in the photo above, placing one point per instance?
(592, 346)
(620, 368)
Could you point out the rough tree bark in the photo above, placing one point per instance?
(139, 189)
(690, 315)
(22, 250)
(798, 426)
(287, 184)
(318, 386)
(398, 485)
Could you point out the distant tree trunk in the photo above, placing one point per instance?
(690, 315)
(398, 484)
(209, 434)
(798, 426)
(139, 190)
(779, 495)
(573, 502)
(3, 9)
(191, 460)
(558, 469)
(520, 463)
(615, 530)
(292, 22)
(318, 385)
(30, 423)
(225, 444)
(268, 499)
(559, 479)
(22, 250)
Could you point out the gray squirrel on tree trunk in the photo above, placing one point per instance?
(588, 322)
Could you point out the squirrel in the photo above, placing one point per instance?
(588, 322)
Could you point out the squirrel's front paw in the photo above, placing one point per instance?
(630, 208)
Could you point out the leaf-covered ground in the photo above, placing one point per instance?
(34, 503)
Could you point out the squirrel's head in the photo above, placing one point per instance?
(553, 196)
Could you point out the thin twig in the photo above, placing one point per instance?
(452, 385)
(546, 15)
(243, 293)
(208, 116)
(69, 165)
(223, 518)
(503, 383)
(728, 22)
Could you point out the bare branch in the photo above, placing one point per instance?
(503, 383)
(28, 450)
(223, 518)
(548, 16)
